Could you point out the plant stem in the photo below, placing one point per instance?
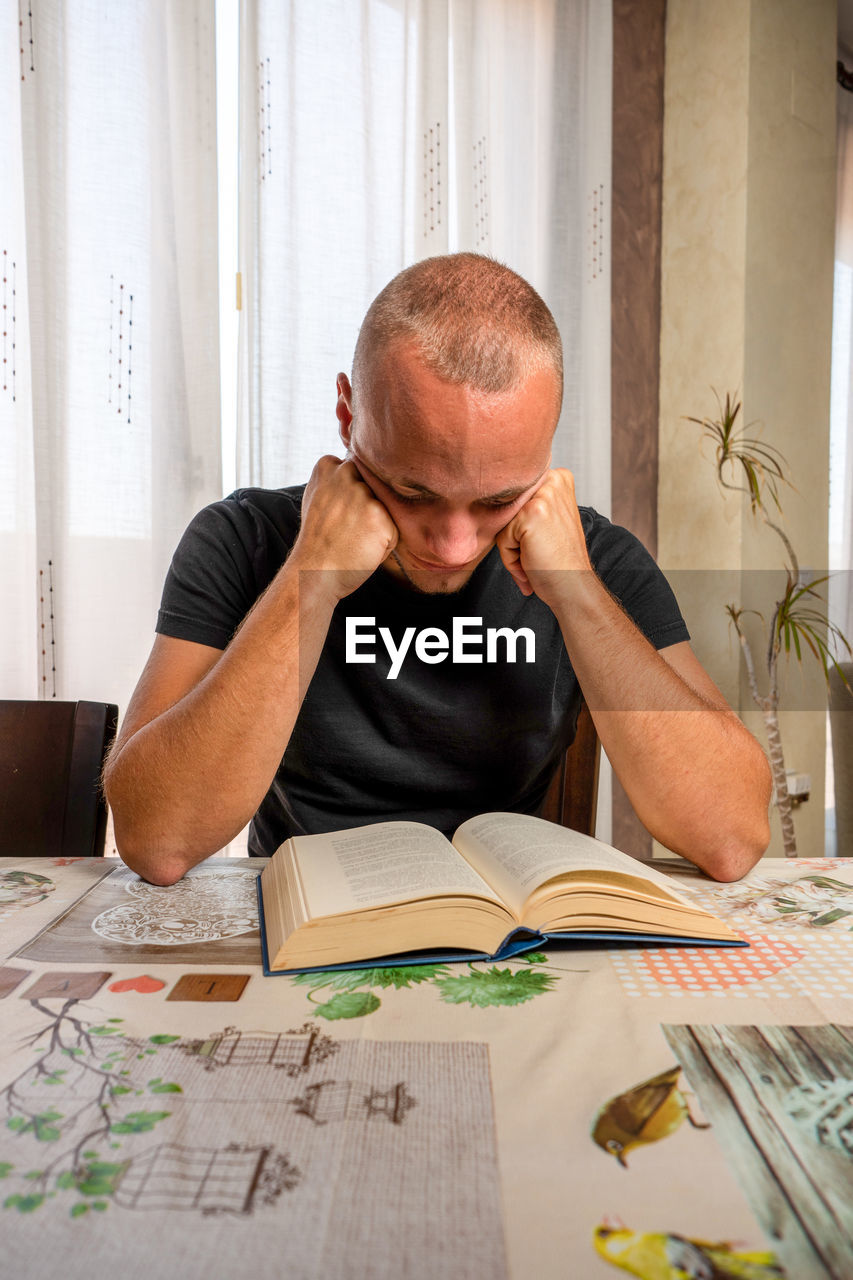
(780, 780)
(769, 708)
(777, 529)
(750, 668)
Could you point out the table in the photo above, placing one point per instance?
(167, 1110)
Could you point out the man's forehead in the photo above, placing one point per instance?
(423, 434)
(437, 475)
(506, 494)
(405, 396)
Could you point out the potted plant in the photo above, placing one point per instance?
(799, 623)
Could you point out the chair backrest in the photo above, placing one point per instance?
(841, 728)
(572, 798)
(51, 755)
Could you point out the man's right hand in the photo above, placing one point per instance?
(346, 532)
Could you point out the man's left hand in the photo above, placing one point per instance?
(544, 540)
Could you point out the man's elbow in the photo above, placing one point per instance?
(741, 851)
(150, 855)
(158, 866)
(153, 859)
(747, 836)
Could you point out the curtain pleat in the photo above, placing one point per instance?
(109, 409)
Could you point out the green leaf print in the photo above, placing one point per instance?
(349, 1004)
(494, 987)
(101, 1178)
(24, 1204)
(408, 975)
(139, 1121)
(345, 980)
(158, 1086)
(41, 1125)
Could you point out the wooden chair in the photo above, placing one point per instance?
(51, 756)
(572, 798)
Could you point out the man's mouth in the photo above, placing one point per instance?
(431, 567)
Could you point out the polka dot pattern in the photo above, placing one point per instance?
(772, 968)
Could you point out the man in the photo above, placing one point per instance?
(413, 641)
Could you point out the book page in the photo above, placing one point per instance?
(516, 852)
(386, 862)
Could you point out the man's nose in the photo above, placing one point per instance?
(452, 538)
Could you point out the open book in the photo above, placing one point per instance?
(507, 883)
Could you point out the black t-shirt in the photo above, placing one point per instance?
(441, 741)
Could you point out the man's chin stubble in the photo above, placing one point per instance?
(442, 586)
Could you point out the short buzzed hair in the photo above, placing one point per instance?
(475, 322)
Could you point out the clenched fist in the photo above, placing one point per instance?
(544, 541)
(346, 532)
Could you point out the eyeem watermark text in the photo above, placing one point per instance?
(466, 643)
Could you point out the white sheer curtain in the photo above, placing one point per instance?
(378, 132)
(109, 398)
(841, 417)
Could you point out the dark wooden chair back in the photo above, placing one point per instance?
(572, 798)
(51, 755)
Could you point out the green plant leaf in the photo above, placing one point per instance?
(24, 1204)
(738, 454)
(495, 987)
(105, 1031)
(409, 975)
(101, 1178)
(47, 1133)
(156, 1086)
(139, 1121)
(336, 980)
(830, 917)
(386, 976)
(5, 1169)
(346, 980)
(44, 1128)
(323, 978)
(349, 1004)
(77, 1210)
(163, 1039)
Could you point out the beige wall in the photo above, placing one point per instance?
(747, 264)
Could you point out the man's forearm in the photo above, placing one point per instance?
(696, 777)
(187, 781)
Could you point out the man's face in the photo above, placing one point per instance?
(451, 464)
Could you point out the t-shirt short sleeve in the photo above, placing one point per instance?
(227, 557)
(632, 576)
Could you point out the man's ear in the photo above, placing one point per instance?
(343, 408)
